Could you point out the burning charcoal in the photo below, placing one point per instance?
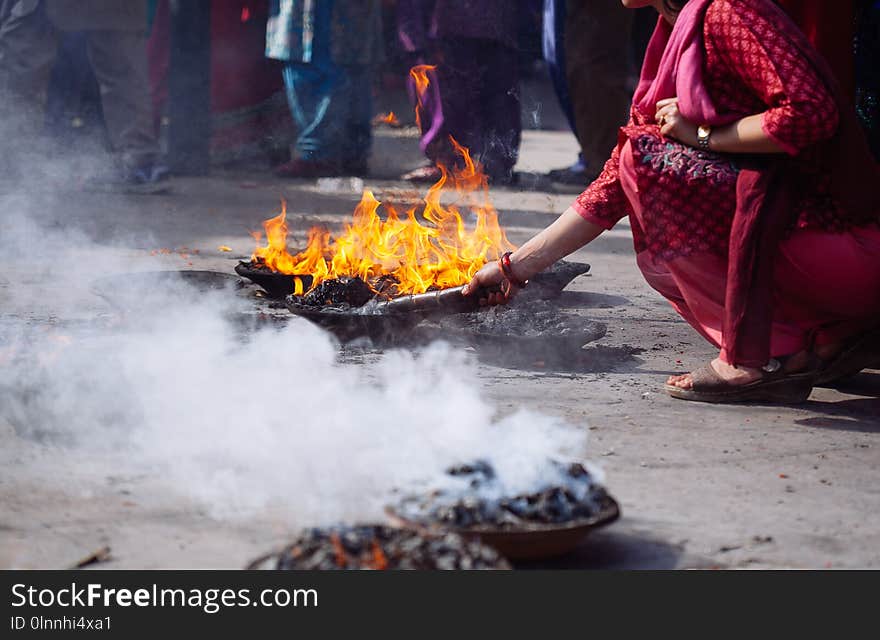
(342, 291)
(386, 285)
(380, 547)
(574, 496)
(480, 469)
(577, 470)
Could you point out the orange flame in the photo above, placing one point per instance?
(389, 119)
(439, 251)
(378, 562)
(338, 551)
(419, 74)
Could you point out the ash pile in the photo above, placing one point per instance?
(380, 547)
(479, 501)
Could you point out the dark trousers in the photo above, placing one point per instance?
(474, 97)
(553, 42)
(331, 107)
(597, 60)
(28, 45)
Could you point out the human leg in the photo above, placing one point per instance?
(316, 113)
(553, 42)
(695, 285)
(458, 80)
(119, 59)
(357, 93)
(830, 284)
(27, 48)
(498, 106)
(597, 41)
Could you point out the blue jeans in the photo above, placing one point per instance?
(553, 46)
(331, 107)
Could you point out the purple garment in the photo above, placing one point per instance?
(473, 95)
(419, 22)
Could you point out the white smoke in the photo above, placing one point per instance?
(271, 420)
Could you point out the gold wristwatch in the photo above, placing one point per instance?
(704, 131)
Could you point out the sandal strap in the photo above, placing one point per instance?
(707, 379)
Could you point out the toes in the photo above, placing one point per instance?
(682, 382)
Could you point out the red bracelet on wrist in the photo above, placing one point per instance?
(507, 270)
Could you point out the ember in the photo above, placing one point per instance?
(389, 119)
(574, 496)
(379, 547)
(352, 292)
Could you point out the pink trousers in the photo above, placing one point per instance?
(827, 285)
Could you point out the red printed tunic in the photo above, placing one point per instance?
(688, 196)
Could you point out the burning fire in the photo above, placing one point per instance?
(437, 249)
(419, 74)
(389, 118)
(438, 252)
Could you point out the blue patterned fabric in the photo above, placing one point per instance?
(345, 31)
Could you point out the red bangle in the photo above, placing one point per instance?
(507, 270)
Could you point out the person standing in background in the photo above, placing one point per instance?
(597, 41)
(250, 118)
(115, 38)
(329, 49)
(608, 65)
(473, 91)
(553, 47)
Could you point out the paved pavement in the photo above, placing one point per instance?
(700, 486)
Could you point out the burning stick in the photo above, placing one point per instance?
(379, 547)
(101, 555)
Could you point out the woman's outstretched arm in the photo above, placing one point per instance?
(568, 233)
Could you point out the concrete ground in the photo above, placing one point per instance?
(700, 486)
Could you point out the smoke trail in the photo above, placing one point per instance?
(272, 420)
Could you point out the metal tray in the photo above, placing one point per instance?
(546, 285)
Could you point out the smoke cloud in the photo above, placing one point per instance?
(240, 422)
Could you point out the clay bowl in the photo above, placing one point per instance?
(531, 542)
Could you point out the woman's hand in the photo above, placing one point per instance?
(674, 125)
(569, 232)
(746, 135)
(490, 283)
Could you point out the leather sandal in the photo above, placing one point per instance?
(861, 353)
(775, 386)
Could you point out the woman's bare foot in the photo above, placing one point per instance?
(741, 375)
(733, 375)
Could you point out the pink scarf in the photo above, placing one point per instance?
(673, 67)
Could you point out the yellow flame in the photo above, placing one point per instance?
(436, 249)
(419, 74)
